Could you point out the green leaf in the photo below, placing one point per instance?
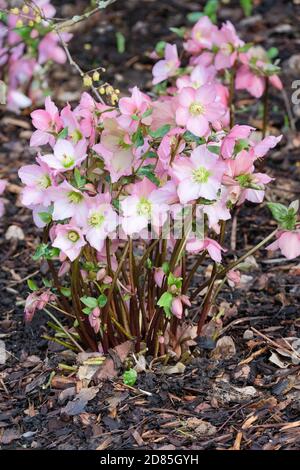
(279, 211)
(137, 138)
(160, 132)
(165, 302)
(43, 251)
(47, 282)
(245, 47)
(272, 52)
(166, 267)
(179, 31)
(121, 42)
(90, 302)
(45, 217)
(63, 133)
(148, 171)
(194, 16)
(211, 9)
(214, 149)
(102, 300)
(23, 31)
(160, 48)
(130, 377)
(66, 291)
(32, 285)
(79, 180)
(247, 7)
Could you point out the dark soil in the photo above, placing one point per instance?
(245, 401)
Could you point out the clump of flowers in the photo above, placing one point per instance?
(27, 45)
(127, 194)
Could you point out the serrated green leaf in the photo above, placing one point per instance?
(160, 48)
(121, 42)
(211, 9)
(160, 132)
(137, 138)
(272, 52)
(66, 291)
(86, 310)
(148, 171)
(194, 16)
(279, 211)
(165, 302)
(247, 7)
(147, 113)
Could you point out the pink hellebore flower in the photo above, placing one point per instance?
(37, 179)
(69, 239)
(133, 110)
(228, 42)
(198, 108)
(116, 149)
(201, 36)
(69, 202)
(198, 176)
(214, 248)
(46, 121)
(288, 242)
(143, 206)
(101, 222)
(167, 67)
(66, 156)
(236, 133)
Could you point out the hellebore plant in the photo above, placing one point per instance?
(133, 199)
(27, 46)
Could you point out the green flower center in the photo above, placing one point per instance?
(144, 207)
(68, 161)
(201, 175)
(96, 219)
(44, 182)
(196, 108)
(73, 236)
(75, 197)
